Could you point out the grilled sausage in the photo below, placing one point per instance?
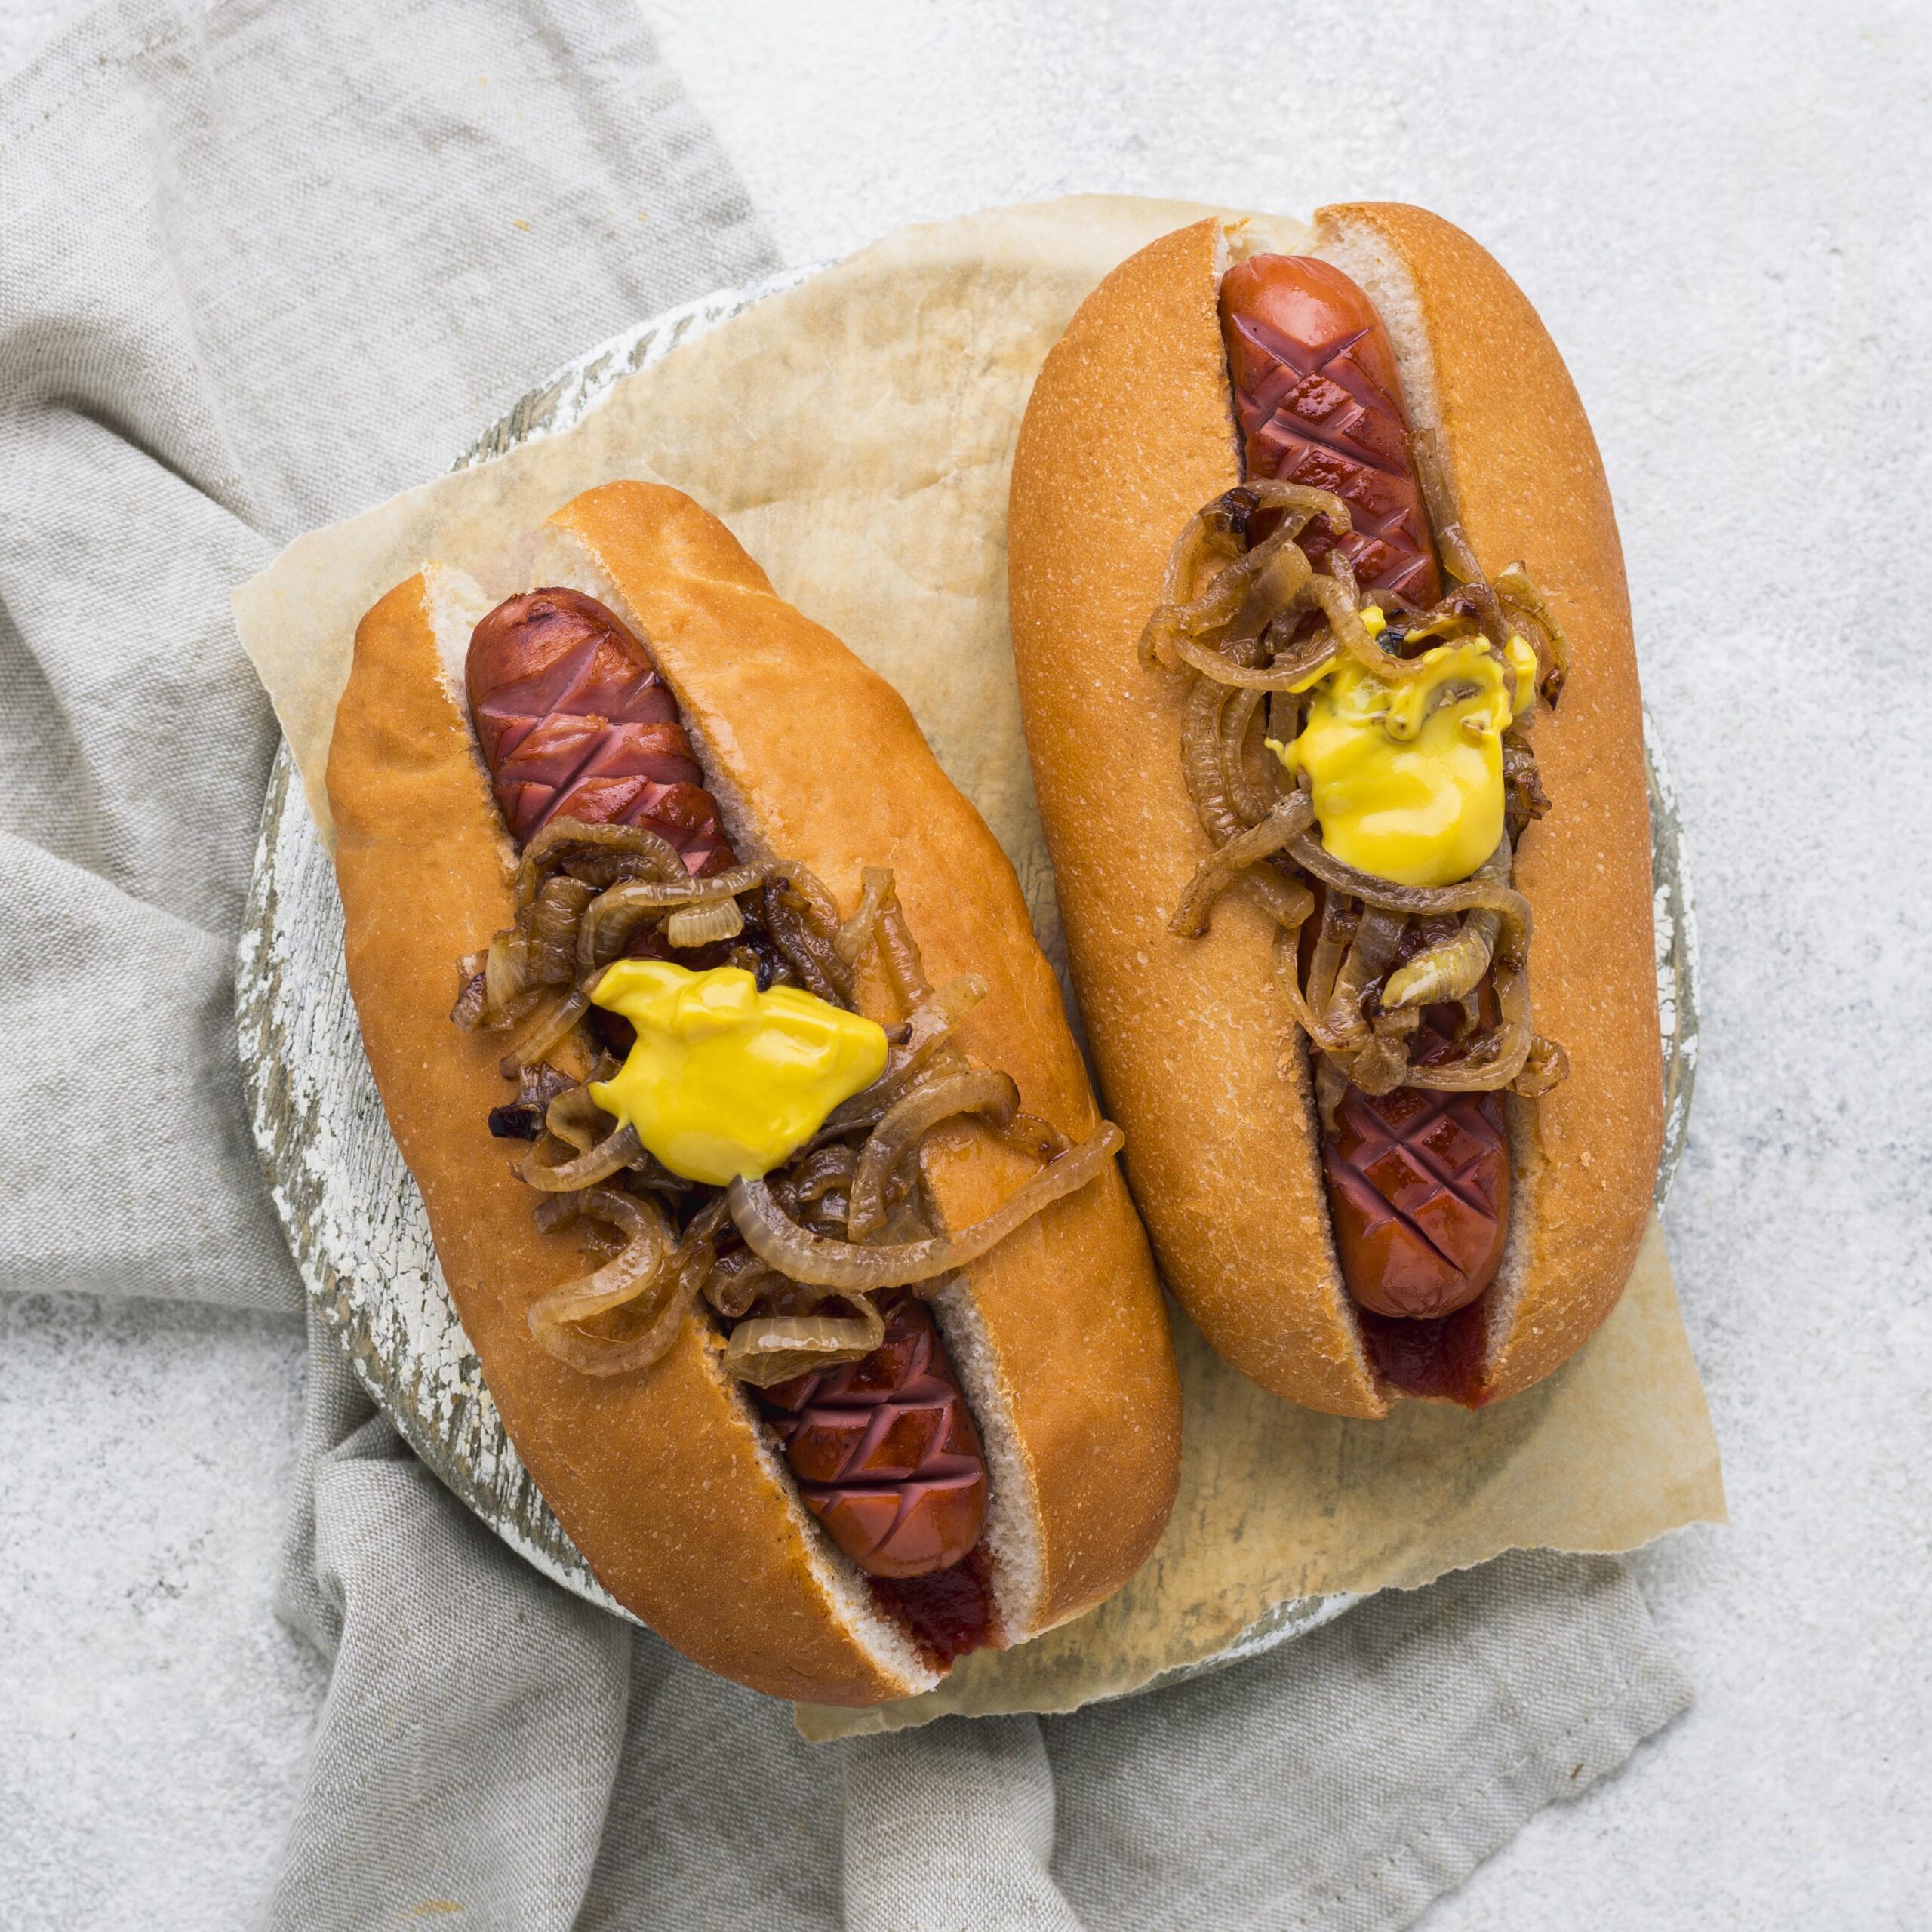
(1418, 1182)
(885, 1453)
(575, 722)
(1419, 1191)
(1320, 402)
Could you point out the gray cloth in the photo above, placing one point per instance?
(261, 265)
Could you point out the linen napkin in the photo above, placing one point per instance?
(261, 265)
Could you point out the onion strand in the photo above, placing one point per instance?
(976, 1090)
(615, 1151)
(1280, 828)
(774, 1348)
(852, 1268)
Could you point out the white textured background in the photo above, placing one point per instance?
(1721, 210)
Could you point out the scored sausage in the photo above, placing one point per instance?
(1418, 1181)
(885, 1453)
(1320, 402)
(1419, 1190)
(574, 721)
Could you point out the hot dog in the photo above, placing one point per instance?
(1377, 781)
(573, 721)
(867, 1308)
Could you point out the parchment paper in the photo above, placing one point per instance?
(856, 434)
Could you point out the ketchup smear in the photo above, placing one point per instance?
(946, 1612)
(1442, 1358)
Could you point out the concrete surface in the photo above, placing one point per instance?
(1721, 212)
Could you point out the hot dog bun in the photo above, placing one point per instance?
(665, 1481)
(1129, 431)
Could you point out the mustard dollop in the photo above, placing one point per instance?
(1407, 779)
(724, 1080)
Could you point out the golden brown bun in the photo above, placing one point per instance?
(664, 1481)
(1129, 431)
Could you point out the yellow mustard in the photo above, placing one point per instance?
(1407, 779)
(725, 1080)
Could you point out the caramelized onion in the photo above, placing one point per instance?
(506, 975)
(905, 965)
(1331, 1084)
(1279, 677)
(616, 1151)
(1294, 668)
(1472, 895)
(974, 1091)
(1222, 602)
(1352, 634)
(1495, 1059)
(1028, 1133)
(1212, 609)
(1339, 921)
(931, 1024)
(852, 1268)
(1545, 1065)
(857, 933)
(524, 1118)
(570, 1113)
(1447, 970)
(623, 1279)
(608, 922)
(815, 1177)
(1278, 590)
(1513, 582)
(705, 925)
(1376, 941)
(552, 938)
(688, 891)
(1220, 530)
(788, 918)
(1450, 542)
(549, 1025)
(1201, 765)
(616, 912)
(774, 1348)
(468, 1011)
(1251, 802)
(1287, 976)
(1281, 826)
(1383, 1065)
(1204, 767)
(733, 1283)
(563, 838)
(1269, 494)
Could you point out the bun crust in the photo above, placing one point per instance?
(1129, 431)
(665, 1481)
